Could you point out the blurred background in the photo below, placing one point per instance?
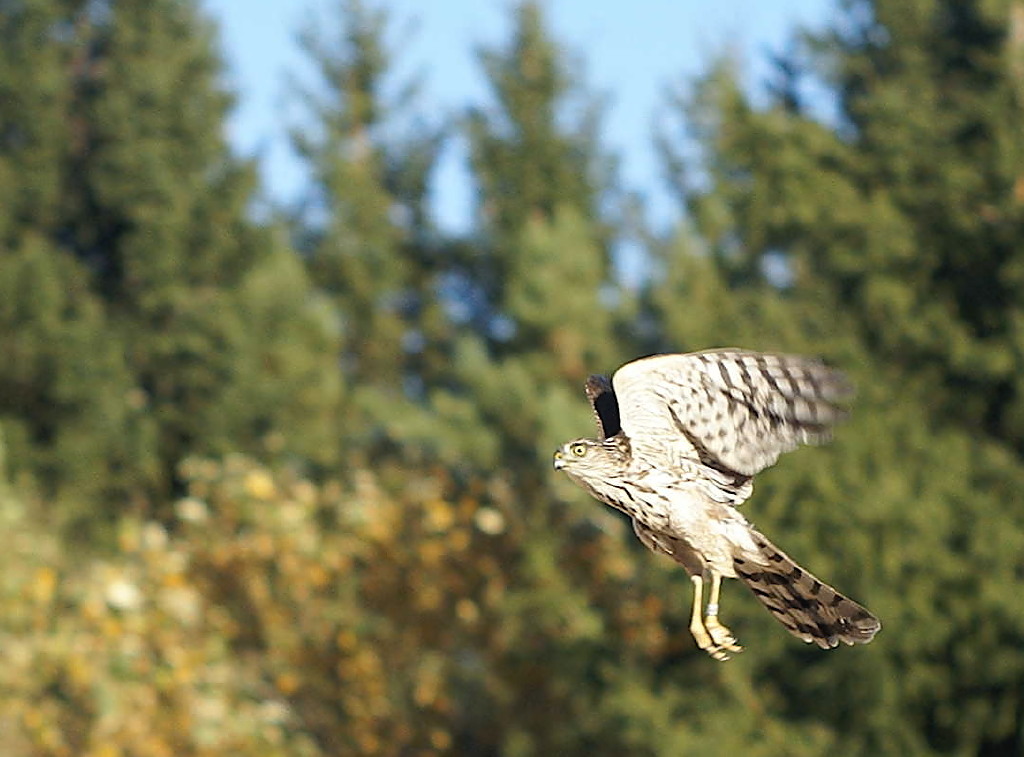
(295, 306)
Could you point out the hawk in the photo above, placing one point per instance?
(680, 438)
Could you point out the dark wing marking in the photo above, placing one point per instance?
(733, 410)
(606, 407)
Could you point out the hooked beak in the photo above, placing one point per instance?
(559, 461)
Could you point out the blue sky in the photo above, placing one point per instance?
(630, 57)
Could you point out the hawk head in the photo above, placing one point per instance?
(591, 460)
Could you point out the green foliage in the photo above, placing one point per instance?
(34, 94)
(526, 160)
(365, 232)
(289, 401)
(543, 273)
(288, 491)
(535, 155)
(910, 208)
(68, 408)
(886, 242)
(130, 267)
(159, 212)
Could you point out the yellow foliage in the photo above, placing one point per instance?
(467, 611)
(260, 484)
(439, 515)
(273, 616)
(287, 683)
(42, 587)
(440, 739)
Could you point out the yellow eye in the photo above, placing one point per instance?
(579, 450)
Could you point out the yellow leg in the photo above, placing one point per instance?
(701, 635)
(720, 635)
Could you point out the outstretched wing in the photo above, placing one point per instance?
(606, 407)
(732, 410)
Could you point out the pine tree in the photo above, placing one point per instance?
(885, 240)
(543, 265)
(543, 316)
(133, 225)
(909, 204)
(365, 231)
(157, 208)
(532, 160)
(69, 412)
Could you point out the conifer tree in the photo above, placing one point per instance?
(909, 205)
(158, 208)
(543, 316)
(365, 231)
(134, 216)
(534, 155)
(544, 251)
(883, 239)
(70, 417)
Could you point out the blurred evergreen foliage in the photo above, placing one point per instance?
(282, 487)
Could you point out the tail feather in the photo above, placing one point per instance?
(808, 608)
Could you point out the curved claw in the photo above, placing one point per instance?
(721, 636)
(717, 649)
(718, 653)
(713, 637)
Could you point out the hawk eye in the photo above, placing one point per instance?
(579, 450)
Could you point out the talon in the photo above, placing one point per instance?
(721, 635)
(707, 640)
(709, 645)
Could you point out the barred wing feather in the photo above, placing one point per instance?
(733, 410)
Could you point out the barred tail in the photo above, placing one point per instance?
(811, 610)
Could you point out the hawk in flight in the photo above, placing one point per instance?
(680, 439)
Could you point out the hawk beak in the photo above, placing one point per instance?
(559, 461)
